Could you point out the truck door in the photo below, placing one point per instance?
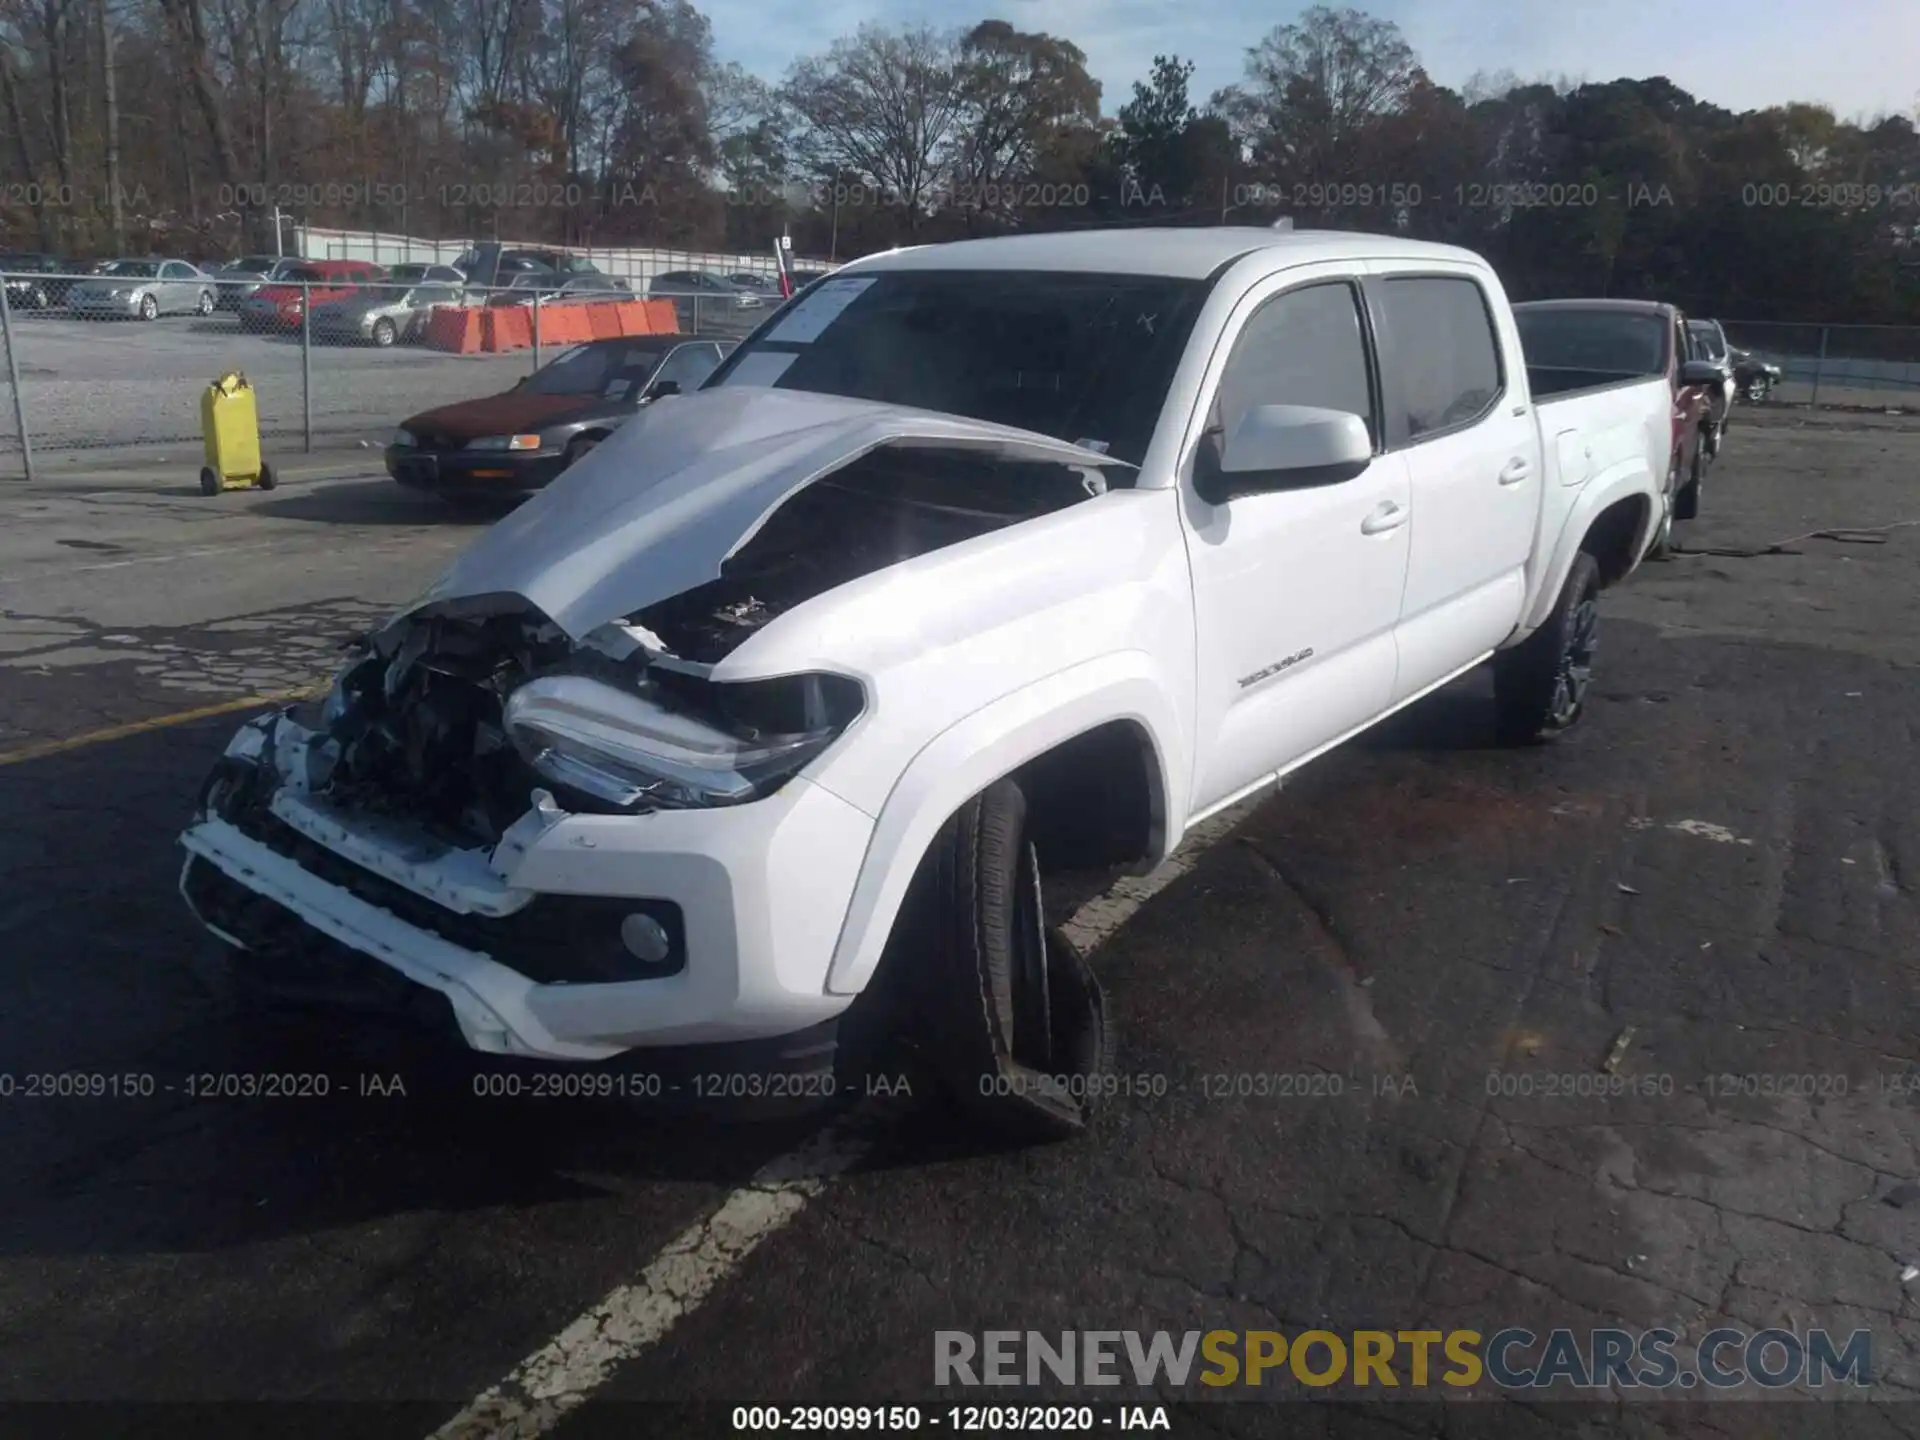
(1296, 592)
(1462, 420)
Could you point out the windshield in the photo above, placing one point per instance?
(1080, 357)
(133, 269)
(1610, 342)
(1708, 339)
(615, 371)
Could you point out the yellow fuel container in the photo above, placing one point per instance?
(230, 428)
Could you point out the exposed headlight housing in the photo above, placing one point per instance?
(689, 746)
(505, 442)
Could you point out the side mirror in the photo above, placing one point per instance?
(1701, 372)
(659, 389)
(1283, 447)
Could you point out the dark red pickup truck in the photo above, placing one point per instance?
(1598, 342)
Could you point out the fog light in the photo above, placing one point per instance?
(646, 938)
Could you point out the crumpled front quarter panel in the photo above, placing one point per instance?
(945, 635)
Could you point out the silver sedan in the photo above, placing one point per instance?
(145, 290)
(381, 314)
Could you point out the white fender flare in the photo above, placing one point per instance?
(970, 755)
(1624, 481)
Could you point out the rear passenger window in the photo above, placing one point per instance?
(1301, 348)
(1443, 368)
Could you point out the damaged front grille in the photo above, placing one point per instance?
(555, 939)
(419, 734)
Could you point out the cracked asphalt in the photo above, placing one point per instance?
(1713, 882)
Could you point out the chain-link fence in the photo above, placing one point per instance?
(1865, 365)
(340, 348)
(335, 350)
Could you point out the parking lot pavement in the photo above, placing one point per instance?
(1713, 878)
(107, 383)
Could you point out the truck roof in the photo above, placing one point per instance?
(1618, 307)
(1188, 254)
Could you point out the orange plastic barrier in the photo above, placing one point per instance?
(455, 329)
(506, 327)
(662, 317)
(564, 324)
(604, 318)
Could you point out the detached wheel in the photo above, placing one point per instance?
(209, 482)
(1540, 686)
(267, 479)
(383, 333)
(1007, 1013)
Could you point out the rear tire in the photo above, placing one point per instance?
(1686, 501)
(1007, 1013)
(1540, 686)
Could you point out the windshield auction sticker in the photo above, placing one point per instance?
(807, 320)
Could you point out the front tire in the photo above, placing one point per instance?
(383, 333)
(204, 306)
(1756, 390)
(1540, 686)
(149, 308)
(1006, 1011)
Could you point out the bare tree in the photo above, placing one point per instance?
(110, 85)
(1313, 88)
(1017, 91)
(882, 107)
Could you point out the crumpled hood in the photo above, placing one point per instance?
(657, 509)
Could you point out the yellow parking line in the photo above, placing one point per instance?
(159, 722)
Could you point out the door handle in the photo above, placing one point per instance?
(1386, 516)
(1517, 469)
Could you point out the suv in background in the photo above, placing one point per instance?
(1709, 342)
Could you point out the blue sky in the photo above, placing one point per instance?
(1859, 56)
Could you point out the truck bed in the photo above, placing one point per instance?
(1549, 384)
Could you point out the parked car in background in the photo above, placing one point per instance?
(552, 287)
(493, 263)
(700, 297)
(383, 314)
(279, 304)
(520, 439)
(242, 278)
(1710, 344)
(415, 272)
(1754, 376)
(1574, 345)
(144, 290)
(1003, 559)
(758, 284)
(518, 285)
(36, 281)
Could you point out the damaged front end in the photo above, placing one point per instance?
(398, 814)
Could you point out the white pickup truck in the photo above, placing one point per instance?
(746, 746)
